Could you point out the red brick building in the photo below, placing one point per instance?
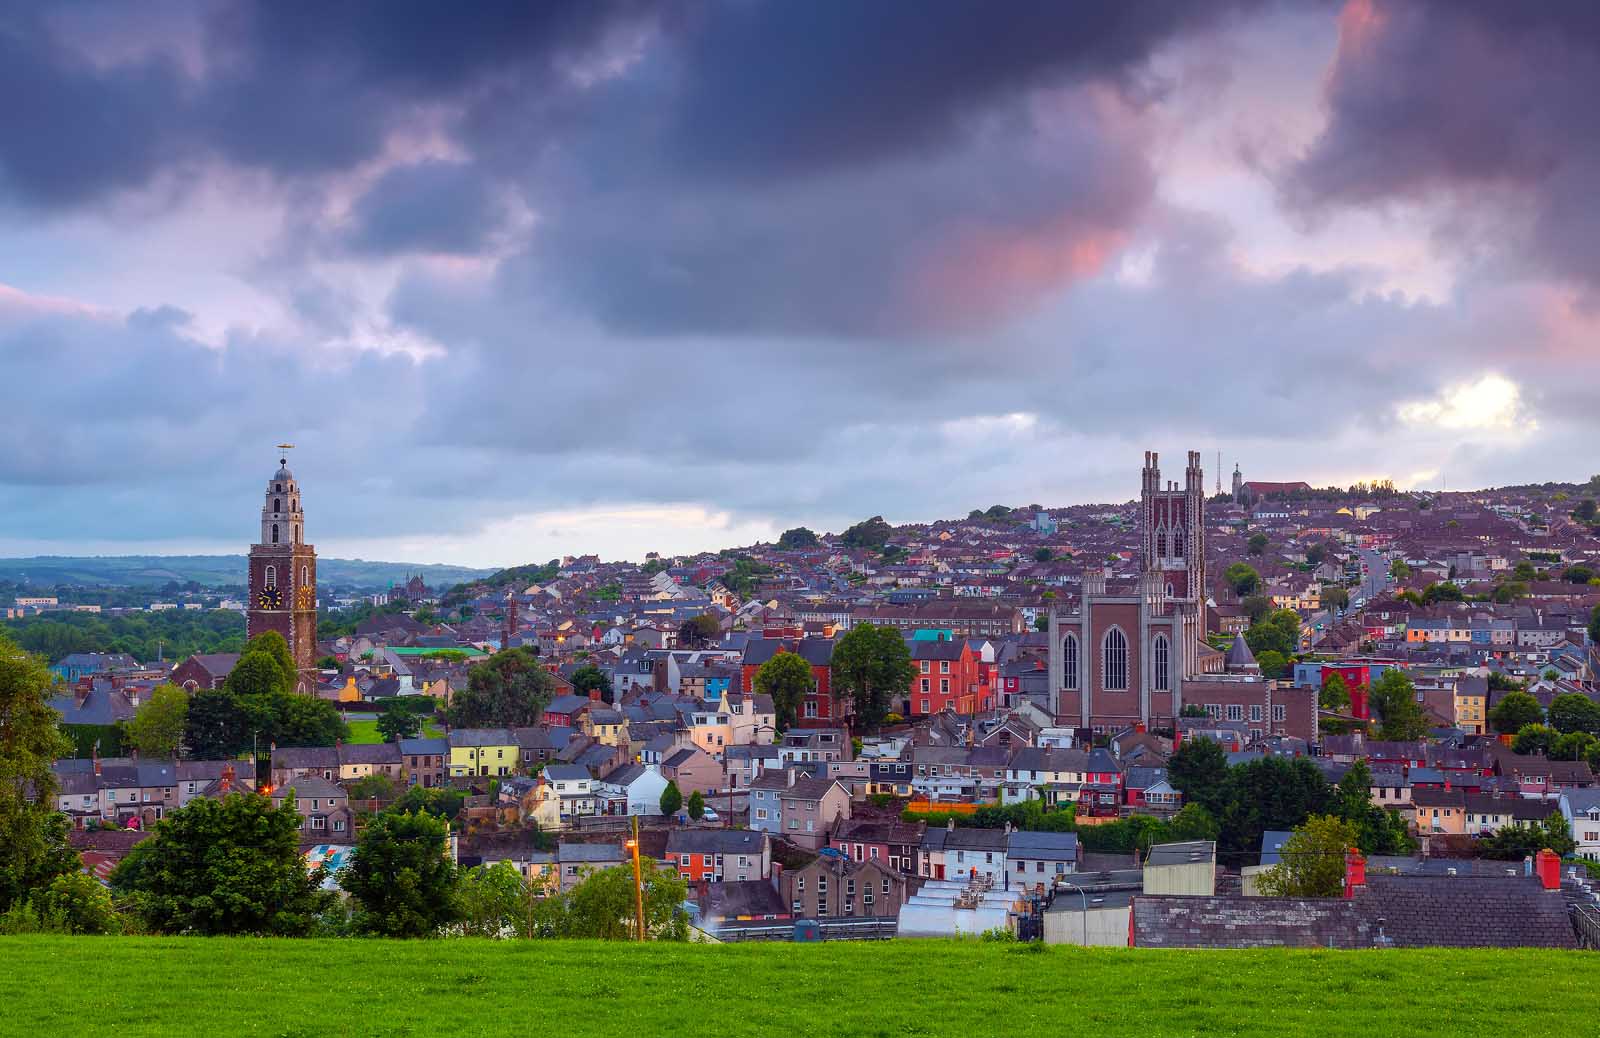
(819, 710)
(283, 577)
(949, 674)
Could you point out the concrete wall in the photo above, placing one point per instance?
(1106, 927)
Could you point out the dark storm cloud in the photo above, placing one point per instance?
(788, 88)
(1489, 105)
(429, 207)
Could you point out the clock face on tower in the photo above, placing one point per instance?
(270, 598)
(305, 598)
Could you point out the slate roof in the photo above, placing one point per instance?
(1043, 846)
(715, 841)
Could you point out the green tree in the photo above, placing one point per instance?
(1578, 574)
(1509, 592)
(1515, 842)
(1399, 570)
(1312, 860)
(1043, 554)
(79, 900)
(1445, 592)
(1393, 699)
(1257, 544)
(1574, 712)
(495, 901)
(438, 801)
(397, 723)
(1515, 711)
(699, 630)
(1335, 597)
(1199, 770)
(1270, 793)
(787, 678)
(1192, 822)
(1242, 578)
(376, 786)
(1534, 738)
(508, 690)
(869, 533)
(328, 663)
(872, 664)
(671, 799)
(258, 676)
(589, 678)
(229, 866)
(292, 719)
(215, 726)
(1278, 631)
(1335, 694)
(603, 907)
(1525, 571)
(1585, 512)
(697, 805)
(157, 727)
(271, 643)
(797, 539)
(401, 875)
(33, 834)
(1273, 663)
(1573, 746)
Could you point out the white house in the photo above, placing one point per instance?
(641, 785)
(1581, 809)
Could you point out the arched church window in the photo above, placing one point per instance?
(1177, 544)
(1161, 650)
(1069, 655)
(305, 575)
(274, 533)
(1114, 661)
(271, 576)
(1169, 589)
(1161, 544)
(277, 488)
(277, 504)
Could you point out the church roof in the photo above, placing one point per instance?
(1239, 655)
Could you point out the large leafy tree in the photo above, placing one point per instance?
(157, 728)
(510, 689)
(698, 631)
(869, 533)
(398, 723)
(252, 680)
(496, 901)
(216, 726)
(1278, 631)
(589, 678)
(1335, 694)
(1312, 860)
(797, 538)
(787, 678)
(297, 720)
(871, 664)
(1199, 770)
(671, 799)
(401, 875)
(603, 906)
(1534, 739)
(1242, 578)
(33, 844)
(1574, 712)
(229, 866)
(1514, 712)
(1393, 699)
(1270, 793)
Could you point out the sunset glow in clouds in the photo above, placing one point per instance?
(607, 276)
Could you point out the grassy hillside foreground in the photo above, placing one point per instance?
(149, 986)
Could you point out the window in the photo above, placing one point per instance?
(277, 504)
(811, 708)
(1161, 543)
(796, 907)
(925, 684)
(1069, 654)
(271, 575)
(944, 686)
(822, 884)
(338, 825)
(944, 666)
(1114, 662)
(1280, 712)
(1235, 712)
(924, 666)
(800, 883)
(1255, 712)
(1177, 544)
(924, 707)
(319, 822)
(1163, 667)
(822, 905)
(274, 533)
(305, 574)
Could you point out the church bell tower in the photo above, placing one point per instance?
(283, 576)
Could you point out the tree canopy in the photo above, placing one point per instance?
(1514, 711)
(671, 799)
(603, 907)
(1199, 770)
(508, 690)
(872, 664)
(157, 727)
(787, 678)
(397, 722)
(869, 533)
(33, 834)
(1278, 631)
(590, 678)
(1335, 694)
(401, 875)
(1393, 700)
(1312, 860)
(1257, 544)
(1242, 578)
(228, 866)
(798, 538)
(1574, 712)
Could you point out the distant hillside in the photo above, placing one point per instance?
(211, 570)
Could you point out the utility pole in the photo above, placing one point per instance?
(638, 878)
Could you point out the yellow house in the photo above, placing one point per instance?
(1471, 706)
(349, 693)
(711, 730)
(482, 751)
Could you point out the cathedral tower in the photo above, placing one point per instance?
(283, 576)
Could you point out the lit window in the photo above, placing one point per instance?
(1114, 665)
(1069, 652)
(1163, 667)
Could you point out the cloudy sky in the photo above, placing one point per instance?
(528, 279)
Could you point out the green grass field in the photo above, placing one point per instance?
(367, 731)
(158, 986)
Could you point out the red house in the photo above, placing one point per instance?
(949, 675)
(819, 709)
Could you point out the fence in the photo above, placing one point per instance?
(841, 929)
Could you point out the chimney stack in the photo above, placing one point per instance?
(1355, 873)
(1547, 864)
